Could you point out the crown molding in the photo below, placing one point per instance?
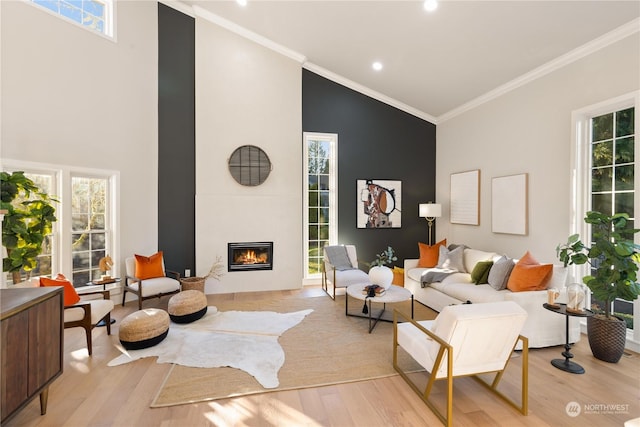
(241, 31)
(368, 92)
(593, 46)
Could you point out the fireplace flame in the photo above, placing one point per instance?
(250, 257)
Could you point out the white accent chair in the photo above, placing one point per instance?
(341, 276)
(464, 340)
(88, 313)
(149, 288)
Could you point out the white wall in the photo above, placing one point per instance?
(70, 97)
(528, 130)
(247, 94)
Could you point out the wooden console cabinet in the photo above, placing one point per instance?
(31, 322)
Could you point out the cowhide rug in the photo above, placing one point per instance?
(246, 340)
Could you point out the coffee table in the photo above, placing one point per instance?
(392, 295)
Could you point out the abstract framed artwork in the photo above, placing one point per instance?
(379, 203)
(509, 204)
(465, 198)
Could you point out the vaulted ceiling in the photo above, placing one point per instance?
(435, 64)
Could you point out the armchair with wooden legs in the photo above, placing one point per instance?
(464, 340)
(87, 314)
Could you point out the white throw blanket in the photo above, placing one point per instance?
(246, 340)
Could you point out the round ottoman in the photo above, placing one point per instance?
(187, 306)
(144, 328)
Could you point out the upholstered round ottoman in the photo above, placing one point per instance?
(144, 328)
(187, 306)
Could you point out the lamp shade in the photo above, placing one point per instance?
(430, 210)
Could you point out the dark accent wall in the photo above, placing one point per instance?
(375, 141)
(176, 138)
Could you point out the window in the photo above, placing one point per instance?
(96, 15)
(86, 217)
(613, 177)
(320, 188)
(605, 156)
(47, 258)
(90, 233)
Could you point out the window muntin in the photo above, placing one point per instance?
(89, 226)
(320, 211)
(612, 177)
(95, 15)
(46, 259)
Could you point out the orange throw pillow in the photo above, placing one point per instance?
(69, 293)
(149, 267)
(429, 254)
(529, 275)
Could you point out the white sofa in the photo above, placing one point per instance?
(543, 328)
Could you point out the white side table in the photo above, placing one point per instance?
(392, 295)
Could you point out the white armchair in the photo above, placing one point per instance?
(149, 288)
(464, 340)
(87, 314)
(340, 268)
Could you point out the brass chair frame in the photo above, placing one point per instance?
(85, 322)
(445, 348)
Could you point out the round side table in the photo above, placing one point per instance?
(392, 295)
(566, 364)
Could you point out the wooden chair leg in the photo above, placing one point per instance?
(108, 320)
(124, 293)
(89, 343)
(139, 302)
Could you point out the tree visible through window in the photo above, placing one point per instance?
(613, 176)
(320, 190)
(90, 229)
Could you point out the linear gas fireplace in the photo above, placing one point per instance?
(250, 256)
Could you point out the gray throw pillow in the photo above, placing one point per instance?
(455, 260)
(500, 272)
(338, 257)
(443, 254)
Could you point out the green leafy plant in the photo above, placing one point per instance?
(613, 257)
(385, 257)
(29, 219)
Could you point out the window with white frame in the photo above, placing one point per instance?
(95, 15)
(605, 178)
(90, 226)
(47, 259)
(320, 190)
(85, 211)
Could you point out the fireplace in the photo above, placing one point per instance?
(250, 256)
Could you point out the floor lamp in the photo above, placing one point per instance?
(430, 211)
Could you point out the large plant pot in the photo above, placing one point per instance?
(381, 276)
(607, 337)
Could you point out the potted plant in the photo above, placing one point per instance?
(28, 221)
(613, 257)
(379, 273)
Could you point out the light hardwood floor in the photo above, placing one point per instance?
(91, 394)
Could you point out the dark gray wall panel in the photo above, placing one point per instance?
(176, 138)
(375, 141)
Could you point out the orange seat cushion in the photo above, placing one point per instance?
(149, 267)
(529, 275)
(429, 254)
(69, 293)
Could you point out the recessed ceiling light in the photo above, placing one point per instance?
(430, 5)
(242, 2)
(377, 66)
